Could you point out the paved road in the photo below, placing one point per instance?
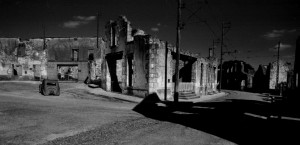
(78, 117)
(26, 117)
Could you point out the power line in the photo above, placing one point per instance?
(213, 15)
(205, 22)
(193, 13)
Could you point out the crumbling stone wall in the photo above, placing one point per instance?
(147, 55)
(25, 60)
(60, 53)
(237, 75)
(157, 69)
(140, 66)
(283, 72)
(204, 70)
(8, 52)
(206, 76)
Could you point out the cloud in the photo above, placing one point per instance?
(282, 47)
(154, 29)
(78, 20)
(71, 24)
(278, 33)
(275, 33)
(272, 35)
(158, 24)
(83, 18)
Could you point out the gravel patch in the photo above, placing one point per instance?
(106, 134)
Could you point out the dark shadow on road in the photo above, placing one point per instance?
(239, 121)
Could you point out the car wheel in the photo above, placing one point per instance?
(44, 92)
(40, 89)
(58, 93)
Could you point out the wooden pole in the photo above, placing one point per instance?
(176, 86)
(166, 70)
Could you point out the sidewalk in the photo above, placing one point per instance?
(101, 92)
(135, 99)
(124, 97)
(205, 98)
(18, 81)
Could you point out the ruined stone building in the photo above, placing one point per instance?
(296, 65)
(237, 75)
(74, 59)
(65, 59)
(22, 59)
(261, 78)
(282, 76)
(265, 78)
(135, 64)
(127, 61)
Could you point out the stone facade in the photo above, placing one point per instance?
(22, 59)
(27, 59)
(283, 73)
(296, 65)
(127, 58)
(127, 61)
(265, 78)
(143, 64)
(74, 59)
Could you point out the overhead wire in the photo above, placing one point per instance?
(213, 15)
(194, 14)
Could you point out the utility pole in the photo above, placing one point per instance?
(98, 17)
(166, 70)
(176, 86)
(221, 57)
(44, 24)
(213, 46)
(44, 35)
(277, 75)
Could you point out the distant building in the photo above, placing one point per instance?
(282, 76)
(296, 64)
(261, 78)
(237, 75)
(265, 78)
(72, 59)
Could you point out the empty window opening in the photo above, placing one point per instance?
(75, 55)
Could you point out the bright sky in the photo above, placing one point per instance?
(256, 25)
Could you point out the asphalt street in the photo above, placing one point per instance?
(78, 116)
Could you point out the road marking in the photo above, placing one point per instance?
(263, 117)
(255, 115)
(290, 118)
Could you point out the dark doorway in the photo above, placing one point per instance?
(114, 69)
(185, 66)
(130, 73)
(15, 73)
(130, 69)
(186, 72)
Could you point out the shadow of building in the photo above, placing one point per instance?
(238, 121)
